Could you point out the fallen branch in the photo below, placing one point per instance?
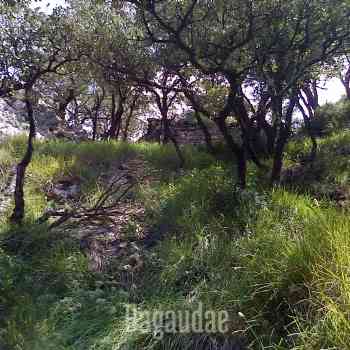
(100, 209)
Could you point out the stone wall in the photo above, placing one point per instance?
(186, 132)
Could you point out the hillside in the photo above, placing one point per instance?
(277, 261)
(171, 176)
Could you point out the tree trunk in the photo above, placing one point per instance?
(165, 128)
(168, 135)
(311, 93)
(178, 151)
(128, 119)
(347, 88)
(120, 113)
(346, 82)
(116, 116)
(284, 133)
(278, 158)
(113, 127)
(62, 106)
(310, 132)
(98, 102)
(206, 133)
(197, 110)
(235, 103)
(238, 151)
(246, 128)
(126, 127)
(263, 125)
(313, 153)
(18, 211)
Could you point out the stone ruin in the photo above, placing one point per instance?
(185, 132)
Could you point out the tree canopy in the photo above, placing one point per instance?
(97, 64)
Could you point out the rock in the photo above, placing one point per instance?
(72, 134)
(67, 188)
(13, 119)
(13, 122)
(341, 195)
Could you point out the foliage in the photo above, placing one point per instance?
(332, 118)
(32, 46)
(276, 259)
(325, 175)
(278, 262)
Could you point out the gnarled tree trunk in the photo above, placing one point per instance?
(310, 132)
(283, 137)
(198, 109)
(346, 80)
(19, 209)
(168, 134)
(206, 133)
(116, 115)
(129, 117)
(238, 151)
(62, 105)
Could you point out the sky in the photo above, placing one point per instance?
(47, 5)
(332, 91)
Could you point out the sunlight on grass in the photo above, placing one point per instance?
(277, 261)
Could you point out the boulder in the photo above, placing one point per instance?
(67, 188)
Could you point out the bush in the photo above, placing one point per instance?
(332, 118)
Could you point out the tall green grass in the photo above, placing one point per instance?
(278, 261)
(330, 169)
(272, 276)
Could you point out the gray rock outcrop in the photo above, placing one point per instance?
(13, 119)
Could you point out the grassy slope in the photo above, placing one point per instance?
(278, 262)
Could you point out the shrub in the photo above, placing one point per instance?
(332, 118)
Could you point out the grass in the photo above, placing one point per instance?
(5, 167)
(277, 261)
(270, 273)
(329, 171)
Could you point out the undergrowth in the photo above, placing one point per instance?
(276, 261)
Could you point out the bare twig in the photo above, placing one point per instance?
(99, 209)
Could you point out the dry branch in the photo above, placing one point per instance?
(100, 209)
